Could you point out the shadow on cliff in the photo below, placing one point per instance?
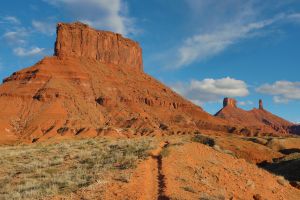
(287, 166)
(289, 151)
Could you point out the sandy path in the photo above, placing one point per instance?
(146, 183)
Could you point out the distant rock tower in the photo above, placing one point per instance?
(260, 105)
(229, 102)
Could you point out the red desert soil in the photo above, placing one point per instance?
(248, 150)
(192, 171)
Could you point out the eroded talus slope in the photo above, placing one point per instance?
(195, 171)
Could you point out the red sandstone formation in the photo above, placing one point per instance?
(93, 85)
(260, 105)
(229, 102)
(256, 121)
(79, 40)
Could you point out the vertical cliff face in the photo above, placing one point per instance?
(79, 40)
(229, 102)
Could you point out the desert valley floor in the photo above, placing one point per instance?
(206, 167)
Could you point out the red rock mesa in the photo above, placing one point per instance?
(94, 85)
(79, 40)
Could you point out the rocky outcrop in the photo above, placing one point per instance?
(256, 121)
(229, 102)
(79, 40)
(260, 105)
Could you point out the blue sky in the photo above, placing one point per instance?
(203, 49)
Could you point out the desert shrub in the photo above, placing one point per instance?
(48, 130)
(205, 196)
(281, 180)
(179, 118)
(257, 140)
(245, 131)
(40, 170)
(163, 127)
(203, 140)
(165, 152)
(62, 130)
(219, 149)
(188, 189)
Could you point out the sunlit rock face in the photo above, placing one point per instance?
(79, 40)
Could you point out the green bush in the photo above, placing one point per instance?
(203, 140)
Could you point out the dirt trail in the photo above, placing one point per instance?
(160, 176)
(147, 182)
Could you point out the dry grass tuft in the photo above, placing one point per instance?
(39, 170)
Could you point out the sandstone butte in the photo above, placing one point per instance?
(256, 121)
(94, 85)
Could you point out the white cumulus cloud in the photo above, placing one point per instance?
(282, 91)
(28, 52)
(101, 14)
(212, 90)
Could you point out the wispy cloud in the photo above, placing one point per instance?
(203, 46)
(18, 38)
(219, 25)
(295, 16)
(10, 20)
(102, 14)
(22, 52)
(282, 91)
(45, 27)
(15, 37)
(211, 90)
(245, 103)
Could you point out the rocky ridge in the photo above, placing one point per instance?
(257, 121)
